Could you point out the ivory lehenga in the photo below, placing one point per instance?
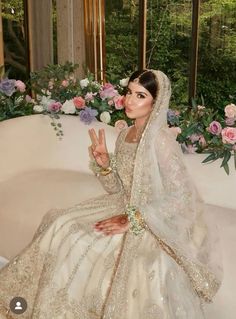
(70, 271)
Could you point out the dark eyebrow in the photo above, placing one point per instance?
(141, 93)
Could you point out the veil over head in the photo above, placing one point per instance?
(172, 208)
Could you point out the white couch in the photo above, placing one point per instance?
(39, 172)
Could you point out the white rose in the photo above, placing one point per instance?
(68, 107)
(124, 82)
(105, 117)
(38, 108)
(84, 83)
(230, 111)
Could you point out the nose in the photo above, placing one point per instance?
(128, 99)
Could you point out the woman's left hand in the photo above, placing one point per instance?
(114, 225)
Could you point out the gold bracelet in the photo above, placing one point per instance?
(105, 171)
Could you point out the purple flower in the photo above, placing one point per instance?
(87, 115)
(171, 116)
(215, 128)
(7, 86)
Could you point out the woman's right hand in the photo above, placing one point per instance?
(99, 148)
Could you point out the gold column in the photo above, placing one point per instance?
(1, 39)
(94, 25)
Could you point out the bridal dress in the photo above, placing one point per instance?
(70, 271)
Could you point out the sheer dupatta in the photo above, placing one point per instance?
(164, 193)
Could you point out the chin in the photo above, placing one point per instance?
(130, 116)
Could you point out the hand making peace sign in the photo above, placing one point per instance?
(99, 148)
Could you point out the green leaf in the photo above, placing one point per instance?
(226, 168)
(211, 157)
(227, 156)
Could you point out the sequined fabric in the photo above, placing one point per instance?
(69, 271)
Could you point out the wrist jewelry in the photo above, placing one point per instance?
(137, 223)
(99, 170)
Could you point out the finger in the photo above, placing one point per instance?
(102, 139)
(93, 137)
(90, 151)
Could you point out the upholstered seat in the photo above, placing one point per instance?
(38, 172)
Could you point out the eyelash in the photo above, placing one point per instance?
(138, 95)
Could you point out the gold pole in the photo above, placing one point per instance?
(142, 33)
(194, 49)
(1, 40)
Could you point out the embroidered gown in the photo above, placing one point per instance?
(70, 271)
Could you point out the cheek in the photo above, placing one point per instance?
(144, 108)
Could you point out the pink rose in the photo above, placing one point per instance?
(108, 91)
(54, 107)
(230, 111)
(215, 128)
(20, 86)
(119, 102)
(120, 125)
(229, 135)
(28, 98)
(202, 141)
(110, 102)
(65, 83)
(79, 102)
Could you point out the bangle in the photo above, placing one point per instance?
(98, 170)
(137, 223)
(105, 171)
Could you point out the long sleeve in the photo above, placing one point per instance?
(111, 182)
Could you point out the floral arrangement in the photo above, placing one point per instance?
(56, 90)
(14, 100)
(203, 130)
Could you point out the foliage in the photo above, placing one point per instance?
(205, 130)
(14, 100)
(57, 91)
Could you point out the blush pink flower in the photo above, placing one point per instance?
(202, 141)
(28, 98)
(230, 121)
(230, 111)
(65, 83)
(229, 135)
(79, 102)
(120, 125)
(54, 107)
(108, 91)
(89, 96)
(215, 128)
(20, 86)
(194, 138)
(119, 102)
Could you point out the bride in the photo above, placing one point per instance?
(141, 251)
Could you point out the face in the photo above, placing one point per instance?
(138, 102)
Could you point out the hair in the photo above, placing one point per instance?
(147, 79)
